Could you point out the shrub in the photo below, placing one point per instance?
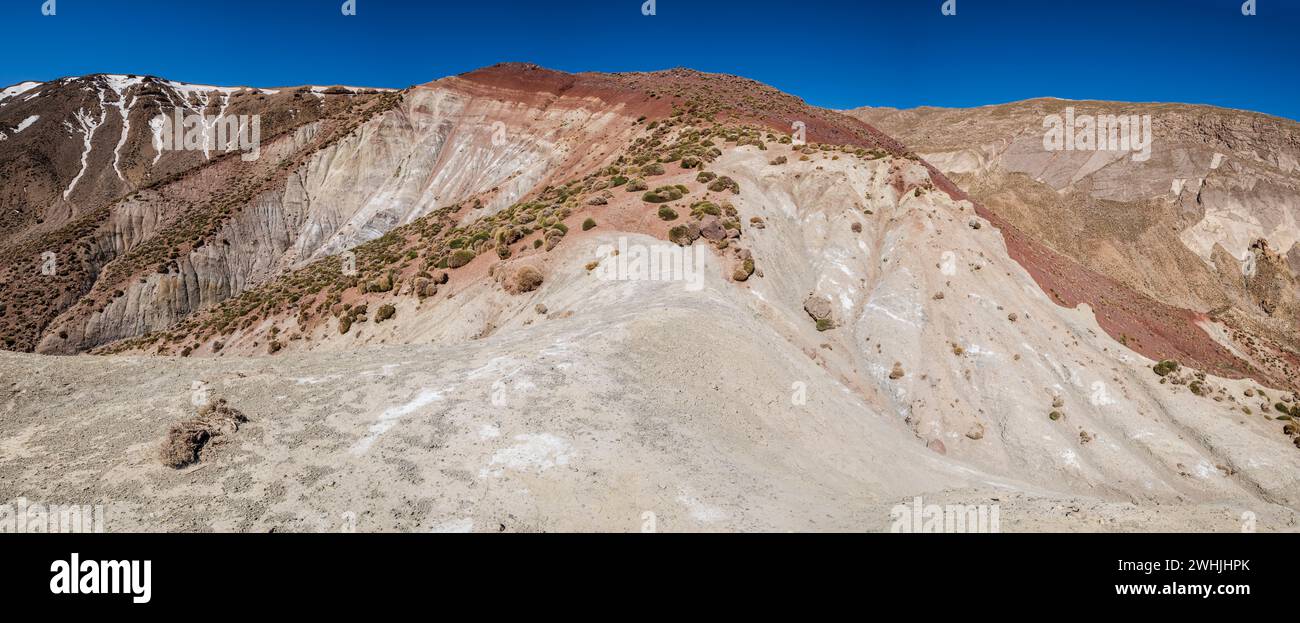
(345, 325)
(383, 284)
(385, 312)
(668, 214)
(588, 224)
(663, 194)
(1166, 367)
(637, 185)
(701, 208)
(679, 235)
(744, 271)
(705, 177)
(460, 258)
(186, 440)
(652, 169)
(526, 279)
(724, 183)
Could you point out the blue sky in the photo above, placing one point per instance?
(833, 53)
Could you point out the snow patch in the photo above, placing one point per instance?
(18, 89)
(87, 126)
(26, 123)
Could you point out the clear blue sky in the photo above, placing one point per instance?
(833, 53)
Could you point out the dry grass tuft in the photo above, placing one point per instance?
(186, 440)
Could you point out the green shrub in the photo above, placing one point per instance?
(668, 214)
(1166, 367)
(385, 312)
(663, 194)
(460, 258)
(701, 208)
(588, 224)
(724, 183)
(679, 235)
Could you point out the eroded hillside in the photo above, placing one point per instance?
(446, 337)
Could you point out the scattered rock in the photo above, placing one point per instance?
(711, 229)
(897, 371)
(820, 310)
